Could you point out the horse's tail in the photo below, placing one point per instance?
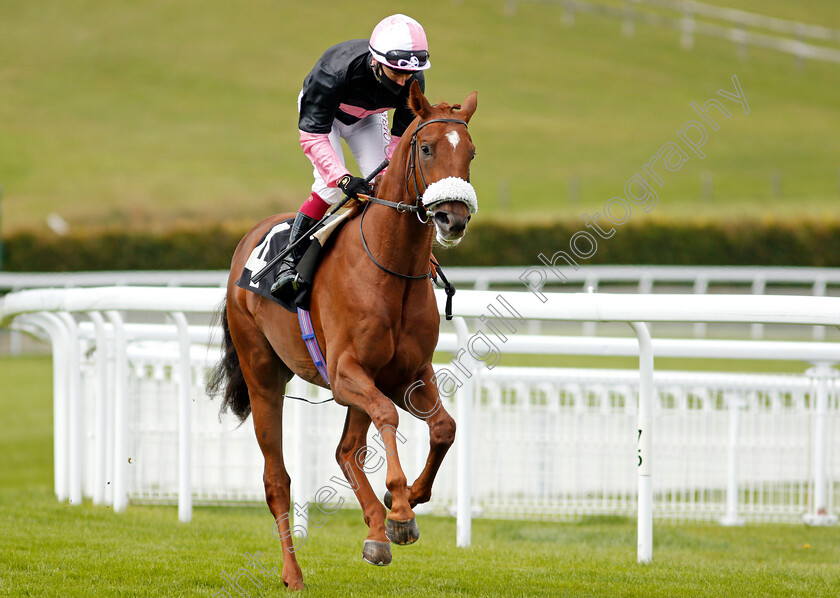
(227, 376)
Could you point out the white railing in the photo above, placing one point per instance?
(17, 281)
(690, 17)
(745, 19)
(697, 279)
(52, 309)
(642, 279)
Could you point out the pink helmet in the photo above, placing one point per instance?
(399, 42)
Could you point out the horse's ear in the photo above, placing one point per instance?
(468, 107)
(418, 102)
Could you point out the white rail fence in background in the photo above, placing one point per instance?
(697, 279)
(132, 421)
(691, 18)
(642, 279)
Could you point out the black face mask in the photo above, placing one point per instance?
(392, 86)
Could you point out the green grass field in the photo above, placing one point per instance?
(117, 114)
(54, 549)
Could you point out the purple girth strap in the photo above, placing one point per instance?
(311, 342)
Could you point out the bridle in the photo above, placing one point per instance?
(412, 170)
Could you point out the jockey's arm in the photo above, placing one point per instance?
(319, 103)
(320, 152)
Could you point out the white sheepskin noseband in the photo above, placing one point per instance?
(451, 189)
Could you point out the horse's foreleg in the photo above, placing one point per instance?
(351, 455)
(352, 386)
(423, 402)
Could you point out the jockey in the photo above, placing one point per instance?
(346, 96)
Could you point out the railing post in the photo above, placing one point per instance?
(627, 25)
(568, 14)
(58, 337)
(701, 286)
(120, 484)
(644, 531)
(590, 286)
(74, 408)
(60, 407)
(818, 290)
(464, 404)
(184, 404)
(735, 404)
(687, 28)
(758, 286)
(100, 428)
(821, 373)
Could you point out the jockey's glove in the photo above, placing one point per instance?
(353, 185)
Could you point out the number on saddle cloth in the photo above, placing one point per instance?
(272, 243)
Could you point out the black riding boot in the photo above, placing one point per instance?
(287, 274)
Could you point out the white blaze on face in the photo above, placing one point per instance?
(453, 138)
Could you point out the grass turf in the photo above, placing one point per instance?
(49, 548)
(154, 113)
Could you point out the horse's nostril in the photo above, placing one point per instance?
(442, 217)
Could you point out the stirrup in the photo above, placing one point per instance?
(284, 278)
(297, 282)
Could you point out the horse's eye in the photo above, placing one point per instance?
(473, 156)
(425, 150)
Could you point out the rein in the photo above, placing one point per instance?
(400, 206)
(373, 259)
(417, 208)
(447, 286)
(434, 267)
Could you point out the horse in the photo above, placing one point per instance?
(376, 320)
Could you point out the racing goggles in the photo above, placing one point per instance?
(409, 60)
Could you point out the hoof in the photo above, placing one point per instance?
(294, 585)
(377, 553)
(402, 532)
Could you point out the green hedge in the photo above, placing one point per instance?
(659, 242)
(209, 249)
(743, 242)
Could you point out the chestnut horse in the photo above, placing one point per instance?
(376, 320)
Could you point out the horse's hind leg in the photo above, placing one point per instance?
(352, 386)
(351, 454)
(268, 425)
(266, 377)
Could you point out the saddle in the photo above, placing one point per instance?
(273, 242)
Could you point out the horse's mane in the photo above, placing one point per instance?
(445, 107)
